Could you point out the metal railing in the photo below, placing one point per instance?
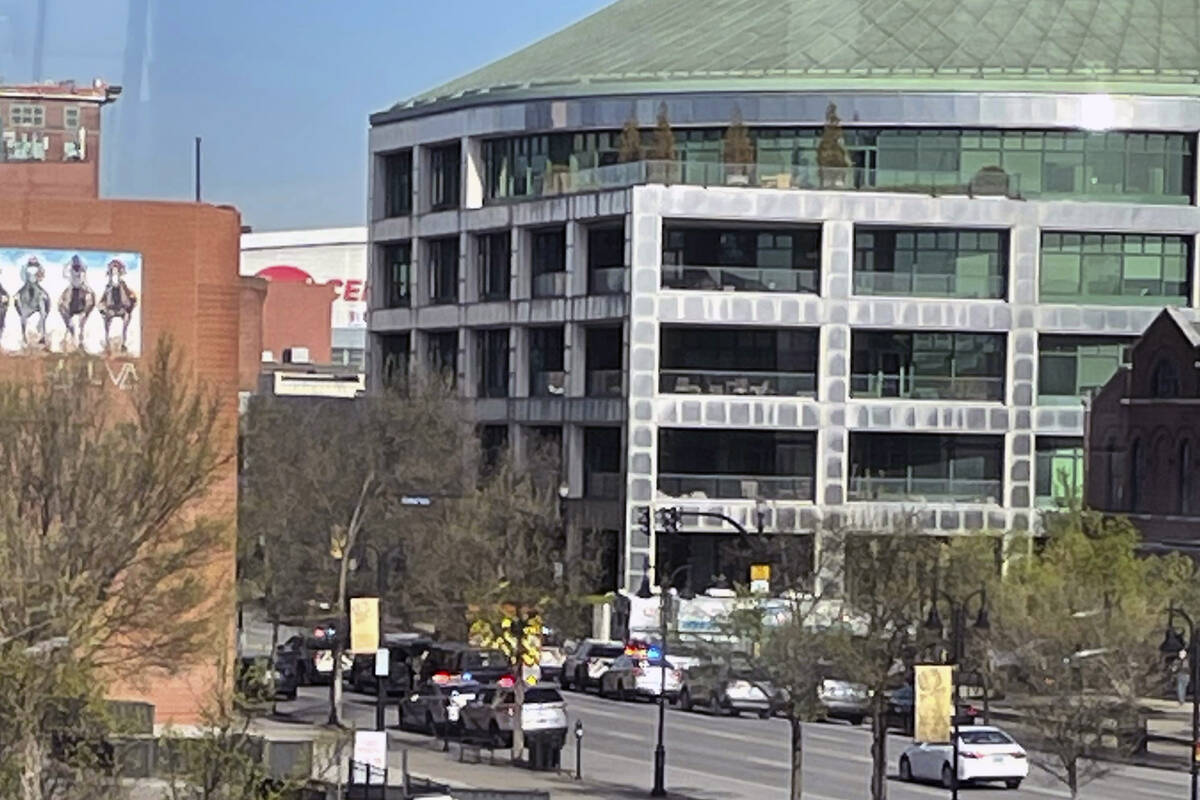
(550, 284)
(740, 279)
(548, 383)
(602, 485)
(958, 490)
(702, 381)
(927, 387)
(606, 280)
(915, 284)
(805, 177)
(736, 487)
(605, 383)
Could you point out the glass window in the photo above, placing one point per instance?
(1073, 367)
(741, 259)
(546, 362)
(394, 357)
(71, 117)
(930, 366)
(549, 250)
(931, 262)
(736, 463)
(397, 184)
(493, 362)
(1058, 470)
(445, 165)
(926, 466)
(442, 257)
(397, 275)
(1166, 380)
(25, 115)
(494, 254)
(1115, 268)
(442, 353)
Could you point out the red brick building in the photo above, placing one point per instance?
(1144, 434)
(50, 135)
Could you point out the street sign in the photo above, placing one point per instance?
(760, 578)
(934, 701)
(370, 757)
(364, 625)
(415, 500)
(382, 659)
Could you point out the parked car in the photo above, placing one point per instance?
(984, 754)
(435, 708)
(314, 658)
(448, 661)
(257, 682)
(404, 651)
(898, 712)
(628, 677)
(492, 713)
(729, 688)
(844, 700)
(587, 663)
(550, 661)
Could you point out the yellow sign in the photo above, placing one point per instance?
(760, 572)
(934, 703)
(364, 624)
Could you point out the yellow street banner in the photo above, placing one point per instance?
(934, 703)
(364, 625)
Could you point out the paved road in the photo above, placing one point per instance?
(726, 758)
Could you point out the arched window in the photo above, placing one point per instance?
(1135, 476)
(1166, 379)
(1185, 477)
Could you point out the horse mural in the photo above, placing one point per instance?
(32, 299)
(77, 301)
(117, 302)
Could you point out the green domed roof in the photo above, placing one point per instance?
(700, 45)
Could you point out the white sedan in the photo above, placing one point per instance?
(984, 754)
(632, 676)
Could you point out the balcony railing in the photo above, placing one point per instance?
(736, 487)
(927, 387)
(606, 280)
(912, 284)
(740, 279)
(602, 485)
(548, 383)
(604, 383)
(550, 284)
(954, 490)
(696, 381)
(809, 177)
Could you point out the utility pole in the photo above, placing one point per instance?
(197, 169)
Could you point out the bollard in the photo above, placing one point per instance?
(578, 749)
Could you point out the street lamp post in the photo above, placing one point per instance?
(660, 750)
(1175, 643)
(958, 636)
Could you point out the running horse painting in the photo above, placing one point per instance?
(32, 299)
(117, 302)
(76, 302)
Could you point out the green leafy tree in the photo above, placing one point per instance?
(104, 548)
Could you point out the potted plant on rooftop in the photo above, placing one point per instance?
(738, 151)
(662, 167)
(833, 162)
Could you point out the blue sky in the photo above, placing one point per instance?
(280, 90)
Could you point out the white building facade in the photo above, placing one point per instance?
(913, 330)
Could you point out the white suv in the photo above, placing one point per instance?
(493, 711)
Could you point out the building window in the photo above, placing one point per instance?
(1074, 367)
(493, 442)
(746, 361)
(494, 253)
(493, 363)
(1135, 476)
(1115, 268)
(442, 257)
(445, 165)
(1185, 477)
(924, 262)
(1166, 380)
(351, 357)
(393, 358)
(546, 362)
(71, 117)
(397, 275)
(736, 464)
(549, 262)
(25, 115)
(914, 467)
(397, 184)
(1059, 470)
(442, 354)
(606, 259)
(928, 366)
(741, 259)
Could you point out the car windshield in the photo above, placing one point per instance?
(542, 696)
(606, 651)
(475, 659)
(984, 737)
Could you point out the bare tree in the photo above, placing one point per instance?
(104, 545)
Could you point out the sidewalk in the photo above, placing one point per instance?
(427, 760)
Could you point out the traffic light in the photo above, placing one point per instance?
(644, 520)
(672, 519)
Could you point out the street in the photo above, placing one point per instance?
(730, 758)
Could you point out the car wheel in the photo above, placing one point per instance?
(948, 779)
(1015, 783)
(685, 699)
(855, 721)
(764, 715)
(714, 705)
(905, 770)
(290, 695)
